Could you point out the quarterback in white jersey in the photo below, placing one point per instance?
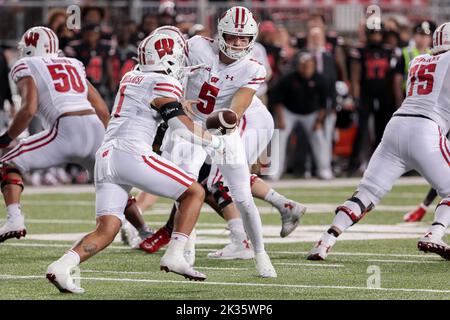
(126, 160)
(414, 139)
(227, 78)
(73, 113)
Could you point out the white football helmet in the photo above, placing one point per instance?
(175, 33)
(237, 21)
(441, 39)
(39, 41)
(160, 52)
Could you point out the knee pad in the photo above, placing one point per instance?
(221, 194)
(131, 200)
(356, 207)
(253, 178)
(6, 178)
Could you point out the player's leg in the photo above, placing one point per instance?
(418, 213)
(35, 152)
(433, 162)
(289, 123)
(237, 176)
(256, 136)
(385, 167)
(110, 203)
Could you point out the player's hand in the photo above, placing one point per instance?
(281, 124)
(187, 105)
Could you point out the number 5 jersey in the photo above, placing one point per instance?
(215, 84)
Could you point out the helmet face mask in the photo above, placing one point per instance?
(160, 52)
(237, 21)
(39, 41)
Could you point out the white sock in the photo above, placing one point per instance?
(70, 258)
(441, 216)
(252, 222)
(237, 230)
(177, 242)
(275, 199)
(13, 211)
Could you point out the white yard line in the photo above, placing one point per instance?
(401, 261)
(289, 183)
(361, 254)
(237, 284)
(309, 264)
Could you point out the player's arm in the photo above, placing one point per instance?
(99, 104)
(28, 93)
(241, 101)
(355, 69)
(173, 114)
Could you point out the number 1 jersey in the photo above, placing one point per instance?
(61, 85)
(427, 90)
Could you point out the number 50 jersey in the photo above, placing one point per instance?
(61, 85)
(428, 90)
(215, 84)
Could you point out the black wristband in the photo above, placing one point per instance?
(170, 110)
(5, 139)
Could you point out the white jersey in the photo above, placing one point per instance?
(215, 84)
(426, 92)
(61, 85)
(134, 122)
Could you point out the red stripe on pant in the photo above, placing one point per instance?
(441, 143)
(172, 168)
(166, 173)
(18, 150)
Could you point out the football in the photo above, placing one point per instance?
(221, 122)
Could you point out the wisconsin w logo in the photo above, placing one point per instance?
(32, 39)
(164, 46)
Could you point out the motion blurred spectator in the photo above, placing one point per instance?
(167, 13)
(148, 24)
(96, 16)
(94, 53)
(422, 39)
(327, 68)
(121, 58)
(268, 34)
(57, 21)
(5, 92)
(299, 98)
(372, 90)
(333, 43)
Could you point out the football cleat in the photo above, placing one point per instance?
(321, 248)
(290, 216)
(189, 249)
(59, 275)
(234, 250)
(13, 229)
(415, 215)
(128, 233)
(159, 239)
(428, 244)
(173, 263)
(264, 266)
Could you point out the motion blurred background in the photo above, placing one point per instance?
(360, 49)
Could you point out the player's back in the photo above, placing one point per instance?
(426, 92)
(133, 121)
(61, 85)
(215, 84)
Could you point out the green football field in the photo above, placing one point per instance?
(376, 259)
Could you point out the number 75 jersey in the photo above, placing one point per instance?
(428, 89)
(215, 84)
(60, 82)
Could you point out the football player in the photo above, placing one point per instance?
(414, 139)
(75, 116)
(126, 160)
